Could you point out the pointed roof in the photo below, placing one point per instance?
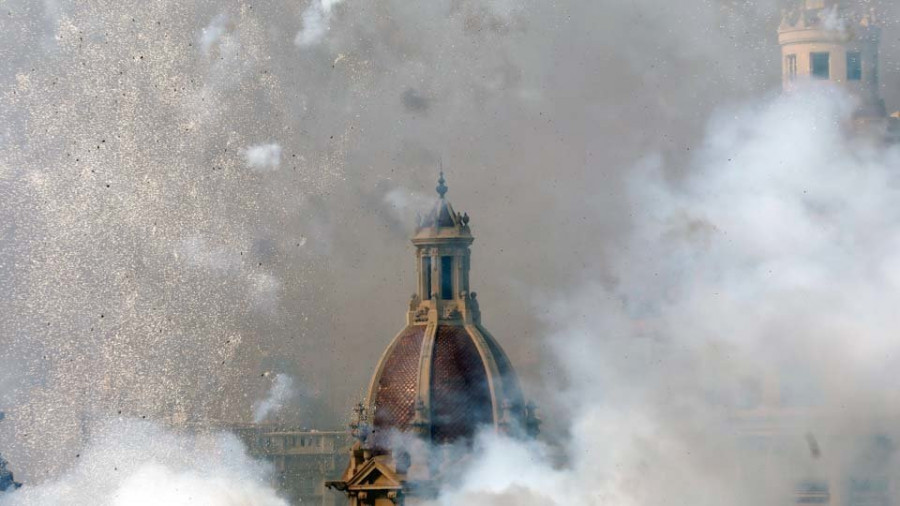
(378, 473)
(442, 220)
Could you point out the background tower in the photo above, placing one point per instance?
(836, 41)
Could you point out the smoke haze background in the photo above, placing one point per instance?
(763, 283)
(150, 265)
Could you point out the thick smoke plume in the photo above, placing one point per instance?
(281, 392)
(761, 289)
(316, 22)
(138, 463)
(263, 157)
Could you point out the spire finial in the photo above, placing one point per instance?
(441, 187)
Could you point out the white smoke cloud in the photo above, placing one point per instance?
(404, 203)
(263, 157)
(316, 22)
(137, 463)
(212, 34)
(832, 20)
(774, 265)
(281, 392)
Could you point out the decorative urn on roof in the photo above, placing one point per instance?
(442, 378)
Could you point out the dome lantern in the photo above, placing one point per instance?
(442, 240)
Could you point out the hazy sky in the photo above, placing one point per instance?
(196, 197)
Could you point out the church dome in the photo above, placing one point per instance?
(443, 382)
(443, 377)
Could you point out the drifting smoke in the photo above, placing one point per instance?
(316, 22)
(212, 34)
(773, 263)
(281, 392)
(136, 463)
(833, 21)
(263, 157)
(404, 203)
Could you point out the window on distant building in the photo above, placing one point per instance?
(854, 66)
(865, 491)
(446, 278)
(790, 65)
(820, 65)
(813, 492)
(426, 270)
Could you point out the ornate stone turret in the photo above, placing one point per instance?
(836, 41)
(441, 380)
(442, 241)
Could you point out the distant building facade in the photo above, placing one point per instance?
(303, 459)
(834, 464)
